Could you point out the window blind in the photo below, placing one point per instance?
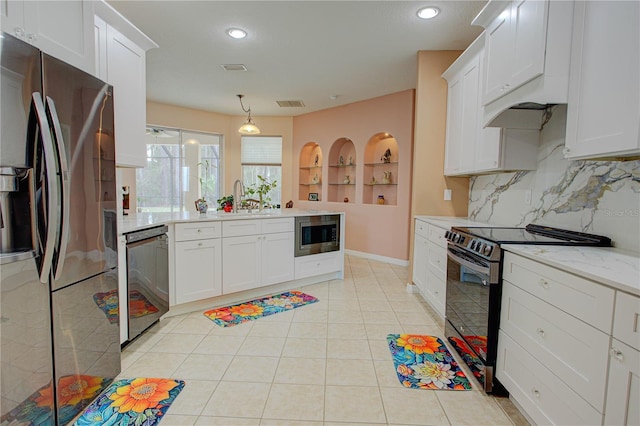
(261, 150)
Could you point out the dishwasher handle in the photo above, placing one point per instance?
(146, 234)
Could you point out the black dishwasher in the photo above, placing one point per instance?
(147, 279)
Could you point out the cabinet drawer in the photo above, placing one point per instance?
(584, 299)
(574, 351)
(436, 235)
(437, 259)
(272, 226)
(239, 228)
(626, 323)
(436, 292)
(317, 264)
(544, 397)
(197, 231)
(422, 228)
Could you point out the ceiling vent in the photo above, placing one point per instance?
(234, 67)
(290, 104)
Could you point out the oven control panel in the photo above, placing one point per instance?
(484, 248)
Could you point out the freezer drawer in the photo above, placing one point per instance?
(86, 341)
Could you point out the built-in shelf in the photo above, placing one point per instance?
(342, 165)
(380, 184)
(381, 164)
(343, 184)
(311, 184)
(310, 166)
(380, 170)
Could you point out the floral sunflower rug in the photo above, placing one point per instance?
(141, 402)
(258, 308)
(139, 305)
(423, 362)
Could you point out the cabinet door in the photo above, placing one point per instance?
(420, 262)
(277, 258)
(623, 391)
(454, 116)
(12, 15)
(469, 127)
(497, 57)
(62, 29)
(604, 107)
(529, 23)
(241, 263)
(198, 270)
(126, 72)
(100, 34)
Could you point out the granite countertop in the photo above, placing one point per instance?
(612, 267)
(138, 221)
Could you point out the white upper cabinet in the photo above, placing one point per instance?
(515, 48)
(526, 61)
(471, 149)
(121, 61)
(603, 113)
(62, 29)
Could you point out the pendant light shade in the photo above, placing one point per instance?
(249, 127)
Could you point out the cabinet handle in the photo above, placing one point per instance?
(617, 353)
(540, 332)
(535, 393)
(19, 32)
(543, 283)
(31, 38)
(566, 152)
(198, 230)
(199, 244)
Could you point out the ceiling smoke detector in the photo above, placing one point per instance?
(234, 67)
(290, 104)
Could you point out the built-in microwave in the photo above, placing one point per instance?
(317, 234)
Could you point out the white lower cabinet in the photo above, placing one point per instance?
(430, 264)
(556, 354)
(198, 262)
(318, 264)
(623, 391)
(252, 258)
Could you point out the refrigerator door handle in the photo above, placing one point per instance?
(63, 224)
(52, 193)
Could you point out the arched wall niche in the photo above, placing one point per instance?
(310, 174)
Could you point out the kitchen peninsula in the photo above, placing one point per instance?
(219, 258)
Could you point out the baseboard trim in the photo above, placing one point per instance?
(377, 257)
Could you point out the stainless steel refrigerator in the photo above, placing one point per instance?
(59, 327)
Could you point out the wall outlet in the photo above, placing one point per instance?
(527, 197)
(447, 195)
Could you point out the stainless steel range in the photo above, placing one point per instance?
(474, 288)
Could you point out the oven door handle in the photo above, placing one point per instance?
(485, 270)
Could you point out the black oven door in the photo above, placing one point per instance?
(473, 293)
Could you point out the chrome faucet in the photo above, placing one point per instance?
(237, 197)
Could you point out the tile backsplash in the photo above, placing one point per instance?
(599, 197)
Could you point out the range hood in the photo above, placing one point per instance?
(524, 106)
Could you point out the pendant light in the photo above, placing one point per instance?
(249, 127)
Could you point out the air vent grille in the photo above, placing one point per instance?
(234, 67)
(290, 104)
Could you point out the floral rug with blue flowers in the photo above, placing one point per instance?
(249, 311)
(140, 401)
(423, 362)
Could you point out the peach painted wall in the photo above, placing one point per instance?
(429, 181)
(381, 230)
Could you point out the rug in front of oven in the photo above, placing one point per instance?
(139, 305)
(140, 401)
(423, 362)
(258, 308)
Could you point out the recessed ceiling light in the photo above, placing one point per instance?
(428, 12)
(236, 33)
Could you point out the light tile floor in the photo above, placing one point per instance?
(322, 364)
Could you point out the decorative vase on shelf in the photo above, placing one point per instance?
(315, 179)
(386, 178)
(380, 199)
(346, 180)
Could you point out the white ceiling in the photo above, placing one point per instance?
(295, 50)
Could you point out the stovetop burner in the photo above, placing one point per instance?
(486, 241)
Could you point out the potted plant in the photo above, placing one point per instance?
(225, 203)
(262, 189)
